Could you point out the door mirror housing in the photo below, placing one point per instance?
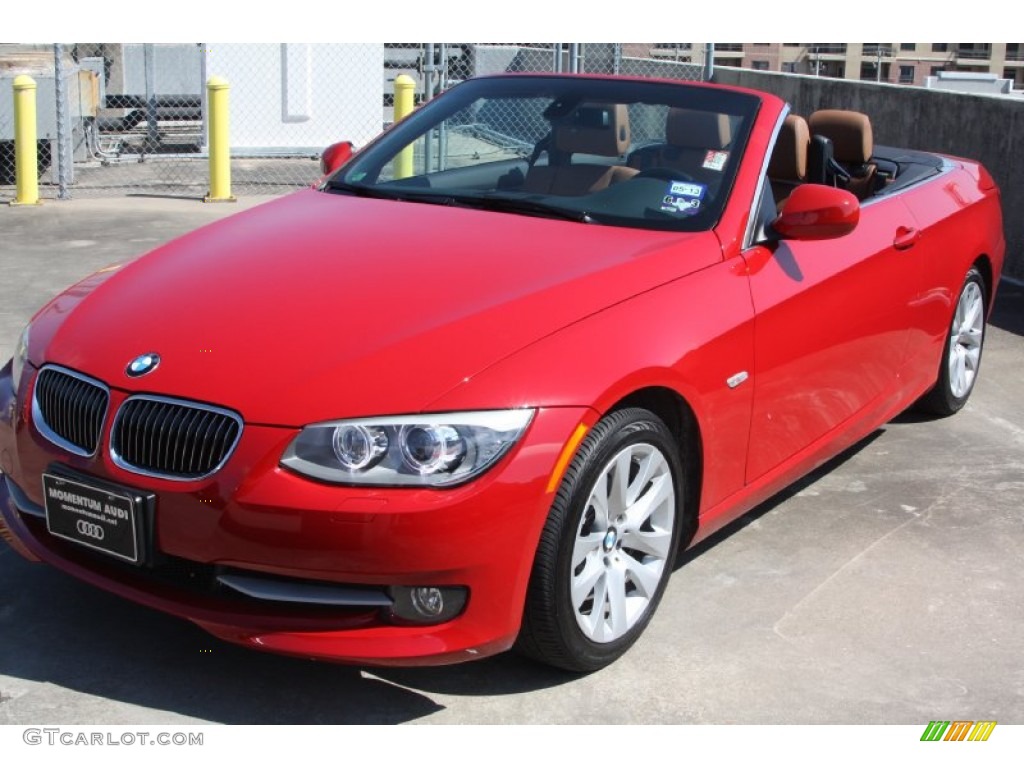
(817, 212)
(335, 156)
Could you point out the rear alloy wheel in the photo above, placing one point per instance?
(608, 546)
(962, 356)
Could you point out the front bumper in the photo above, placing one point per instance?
(254, 518)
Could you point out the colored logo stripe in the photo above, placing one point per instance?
(982, 730)
(958, 730)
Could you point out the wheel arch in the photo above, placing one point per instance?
(673, 409)
(984, 265)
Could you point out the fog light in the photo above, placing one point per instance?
(428, 601)
(427, 605)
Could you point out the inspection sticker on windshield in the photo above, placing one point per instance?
(715, 161)
(683, 197)
(686, 189)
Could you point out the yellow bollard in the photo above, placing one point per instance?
(404, 87)
(26, 162)
(220, 143)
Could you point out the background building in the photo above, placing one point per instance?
(904, 63)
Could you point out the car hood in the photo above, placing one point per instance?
(320, 306)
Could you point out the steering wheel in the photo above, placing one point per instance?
(666, 174)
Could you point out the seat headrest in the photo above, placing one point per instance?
(594, 129)
(850, 132)
(789, 158)
(695, 129)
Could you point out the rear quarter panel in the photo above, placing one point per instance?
(960, 221)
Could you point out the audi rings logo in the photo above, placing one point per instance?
(90, 530)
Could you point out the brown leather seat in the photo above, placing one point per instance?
(580, 133)
(787, 168)
(690, 137)
(852, 146)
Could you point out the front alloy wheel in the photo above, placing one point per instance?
(623, 542)
(608, 545)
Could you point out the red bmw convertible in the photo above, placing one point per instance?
(482, 384)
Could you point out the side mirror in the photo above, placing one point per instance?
(335, 156)
(817, 212)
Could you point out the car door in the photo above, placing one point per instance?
(831, 330)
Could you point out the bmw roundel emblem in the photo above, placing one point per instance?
(143, 364)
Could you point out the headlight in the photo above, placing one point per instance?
(20, 358)
(433, 450)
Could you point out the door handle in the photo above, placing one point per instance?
(906, 237)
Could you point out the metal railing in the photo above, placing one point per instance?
(877, 50)
(827, 49)
(974, 52)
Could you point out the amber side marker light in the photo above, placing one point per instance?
(566, 456)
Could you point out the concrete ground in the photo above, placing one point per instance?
(886, 588)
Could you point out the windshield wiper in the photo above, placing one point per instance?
(393, 193)
(482, 202)
(360, 190)
(517, 205)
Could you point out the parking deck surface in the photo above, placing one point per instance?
(886, 588)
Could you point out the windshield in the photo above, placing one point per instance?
(615, 152)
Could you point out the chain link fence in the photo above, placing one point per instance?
(131, 118)
(35, 62)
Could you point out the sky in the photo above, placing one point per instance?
(501, 21)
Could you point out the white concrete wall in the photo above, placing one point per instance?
(299, 97)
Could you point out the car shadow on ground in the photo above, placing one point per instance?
(56, 630)
(781, 497)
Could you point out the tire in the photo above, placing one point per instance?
(607, 549)
(961, 357)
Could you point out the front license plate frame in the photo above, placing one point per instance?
(101, 516)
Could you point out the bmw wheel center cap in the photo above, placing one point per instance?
(143, 364)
